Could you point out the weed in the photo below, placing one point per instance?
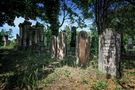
(67, 73)
(132, 73)
(100, 85)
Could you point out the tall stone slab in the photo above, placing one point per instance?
(73, 37)
(31, 36)
(17, 40)
(109, 52)
(82, 48)
(24, 33)
(73, 40)
(21, 26)
(62, 45)
(5, 39)
(27, 31)
(53, 46)
(130, 42)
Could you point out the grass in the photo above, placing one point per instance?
(26, 70)
(24, 67)
(100, 85)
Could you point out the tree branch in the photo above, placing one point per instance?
(64, 18)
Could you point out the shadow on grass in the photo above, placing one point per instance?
(128, 60)
(23, 69)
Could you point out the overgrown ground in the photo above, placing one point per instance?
(21, 70)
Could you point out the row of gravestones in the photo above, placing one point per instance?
(109, 46)
(109, 50)
(30, 36)
(59, 50)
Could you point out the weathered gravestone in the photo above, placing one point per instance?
(24, 33)
(73, 40)
(58, 46)
(62, 45)
(37, 36)
(109, 52)
(82, 48)
(54, 47)
(17, 40)
(5, 39)
(73, 37)
(130, 43)
(31, 36)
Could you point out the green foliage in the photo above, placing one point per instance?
(29, 72)
(4, 32)
(30, 69)
(1, 41)
(100, 85)
(94, 41)
(68, 35)
(69, 60)
(9, 33)
(52, 10)
(58, 73)
(9, 9)
(47, 35)
(52, 77)
(11, 44)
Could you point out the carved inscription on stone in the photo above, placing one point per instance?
(109, 52)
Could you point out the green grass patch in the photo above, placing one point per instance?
(100, 85)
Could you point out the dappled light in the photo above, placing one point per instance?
(67, 45)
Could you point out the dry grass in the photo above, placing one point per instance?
(17, 67)
(70, 78)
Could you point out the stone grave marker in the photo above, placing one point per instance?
(109, 52)
(5, 39)
(62, 45)
(82, 48)
(130, 42)
(17, 40)
(24, 33)
(73, 37)
(73, 40)
(31, 36)
(53, 46)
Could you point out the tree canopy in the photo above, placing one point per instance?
(104, 13)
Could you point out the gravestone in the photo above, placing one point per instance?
(82, 48)
(109, 52)
(24, 33)
(130, 43)
(53, 47)
(17, 40)
(73, 37)
(32, 37)
(5, 39)
(21, 27)
(73, 40)
(62, 45)
(40, 35)
(38, 32)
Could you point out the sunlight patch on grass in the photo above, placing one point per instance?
(62, 76)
